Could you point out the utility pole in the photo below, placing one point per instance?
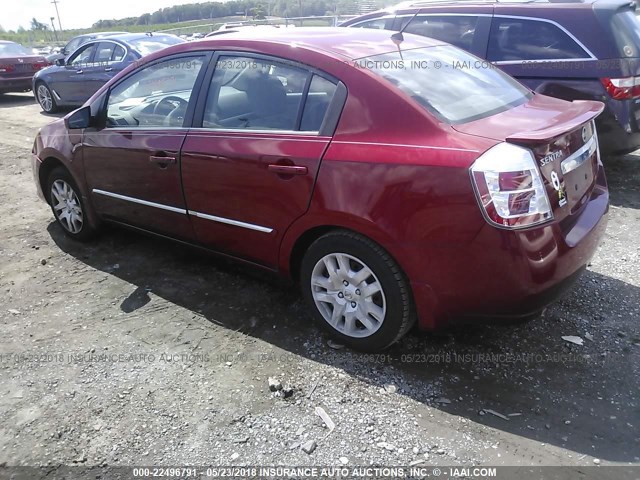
(55, 3)
(54, 28)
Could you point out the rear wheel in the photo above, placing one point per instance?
(356, 291)
(67, 205)
(45, 98)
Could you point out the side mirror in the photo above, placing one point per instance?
(60, 62)
(81, 118)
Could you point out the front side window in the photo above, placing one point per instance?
(453, 85)
(82, 56)
(513, 39)
(155, 96)
(456, 30)
(254, 94)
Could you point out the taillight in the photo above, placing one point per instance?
(622, 88)
(510, 188)
(6, 68)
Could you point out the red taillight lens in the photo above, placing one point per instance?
(7, 68)
(510, 188)
(622, 88)
(40, 65)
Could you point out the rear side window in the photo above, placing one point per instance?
(626, 31)
(513, 39)
(319, 97)
(453, 85)
(456, 30)
(254, 94)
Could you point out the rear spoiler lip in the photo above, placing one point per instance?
(589, 110)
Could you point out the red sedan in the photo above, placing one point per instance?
(17, 67)
(394, 178)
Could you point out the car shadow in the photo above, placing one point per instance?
(623, 175)
(522, 379)
(10, 100)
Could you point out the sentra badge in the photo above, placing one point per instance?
(552, 157)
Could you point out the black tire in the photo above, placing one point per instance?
(40, 98)
(395, 294)
(73, 204)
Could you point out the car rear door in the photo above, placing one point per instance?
(107, 62)
(132, 163)
(249, 168)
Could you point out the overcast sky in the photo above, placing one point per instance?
(76, 13)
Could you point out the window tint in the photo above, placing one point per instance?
(154, 96)
(377, 24)
(72, 45)
(319, 97)
(118, 53)
(453, 85)
(458, 31)
(83, 55)
(104, 52)
(254, 94)
(516, 39)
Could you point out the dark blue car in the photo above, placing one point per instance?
(72, 81)
(571, 49)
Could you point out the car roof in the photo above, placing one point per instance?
(337, 42)
(6, 41)
(519, 3)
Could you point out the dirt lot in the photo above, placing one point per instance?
(135, 351)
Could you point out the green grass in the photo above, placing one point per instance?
(39, 38)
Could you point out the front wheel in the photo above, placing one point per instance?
(45, 98)
(356, 291)
(67, 205)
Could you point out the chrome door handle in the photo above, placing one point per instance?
(162, 162)
(287, 169)
(79, 71)
(107, 69)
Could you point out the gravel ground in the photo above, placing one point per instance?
(135, 351)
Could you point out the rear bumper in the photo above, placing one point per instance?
(19, 84)
(512, 274)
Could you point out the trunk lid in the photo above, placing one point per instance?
(21, 66)
(561, 136)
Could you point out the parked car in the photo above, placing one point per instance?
(17, 67)
(252, 29)
(76, 42)
(72, 81)
(389, 191)
(576, 50)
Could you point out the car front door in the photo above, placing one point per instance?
(249, 169)
(68, 82)
(132, 163)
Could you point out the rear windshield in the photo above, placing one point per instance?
(626, 31)
(13, 49)
(451, 84)
(147, 45)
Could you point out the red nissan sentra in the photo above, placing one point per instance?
(395, 179)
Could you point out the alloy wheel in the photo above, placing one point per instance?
(44, 98)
